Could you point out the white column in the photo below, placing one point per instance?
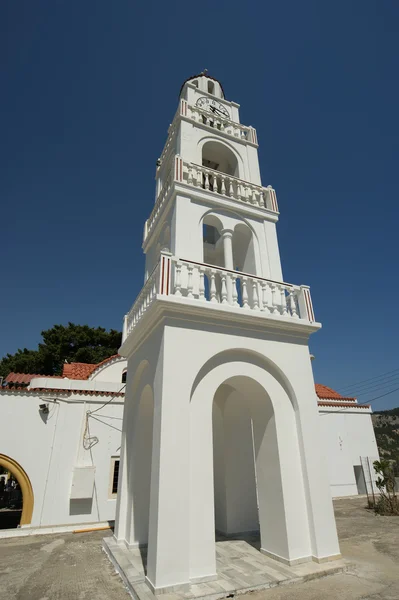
(227, 235)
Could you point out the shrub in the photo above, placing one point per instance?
(388, 502)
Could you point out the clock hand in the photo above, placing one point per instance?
(216, 110)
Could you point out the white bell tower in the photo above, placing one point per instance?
(220, 427)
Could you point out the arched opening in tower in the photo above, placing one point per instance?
(218, 157)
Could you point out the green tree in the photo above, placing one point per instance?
(71, 343)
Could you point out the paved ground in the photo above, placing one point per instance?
(73, 566)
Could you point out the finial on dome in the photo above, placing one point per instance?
(204, 72)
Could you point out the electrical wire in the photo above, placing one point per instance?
(360, 383)
(377, 388)
(104, 423)
(108, 401)
(90, 441)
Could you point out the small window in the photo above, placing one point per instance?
(124, 375)
(195, 82)
(113, 486)
(211, 87)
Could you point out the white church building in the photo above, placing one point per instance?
(223, 429)
(45, 443)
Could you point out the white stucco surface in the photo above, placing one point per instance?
(49, 447)
(346, 437)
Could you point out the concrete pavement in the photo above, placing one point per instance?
(73, 567)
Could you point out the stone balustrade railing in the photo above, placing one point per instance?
(225, 125)
(143, 301)
(217, 182)
(230, 186)
(192, 281)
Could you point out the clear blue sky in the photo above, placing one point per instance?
(88, 90)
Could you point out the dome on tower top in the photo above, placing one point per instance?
(205, 83)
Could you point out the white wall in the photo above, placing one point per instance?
(48, 449)
(346, 436)
(111, 371)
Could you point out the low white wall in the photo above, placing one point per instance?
(346, 437)
(49, 449)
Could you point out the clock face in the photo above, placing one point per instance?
(213, 106)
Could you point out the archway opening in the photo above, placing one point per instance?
(247, 473)
(16, 494)
(213, 251)
(243, 249)
(244, 260)
(218, 158)
(236, 510)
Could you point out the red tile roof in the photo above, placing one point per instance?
(26, 378)
(82, 370)
(327, 393)
(59, 391)
(344, 404)
(77, 370)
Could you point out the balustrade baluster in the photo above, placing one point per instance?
(255, 297)
(178, 278)
(202, 284)
(223, 186)
(206, 184)
(212, 290)
(294, 312)
(190, 281)
(265, 302)
(154, 288)
(215, 183)
(231, 188)
(283, 301)
(262, 200)
(244, 292)
(253, 195)
(238, 192)
(274, 299)
(199, 177)
(190, 175)
(224, 288)
(235, 293)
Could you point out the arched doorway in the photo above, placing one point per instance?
(23, 515)
(245, 461)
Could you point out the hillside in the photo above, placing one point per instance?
(386, 427)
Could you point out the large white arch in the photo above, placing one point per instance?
(285, 533)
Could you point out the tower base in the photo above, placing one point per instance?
(260, 572)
